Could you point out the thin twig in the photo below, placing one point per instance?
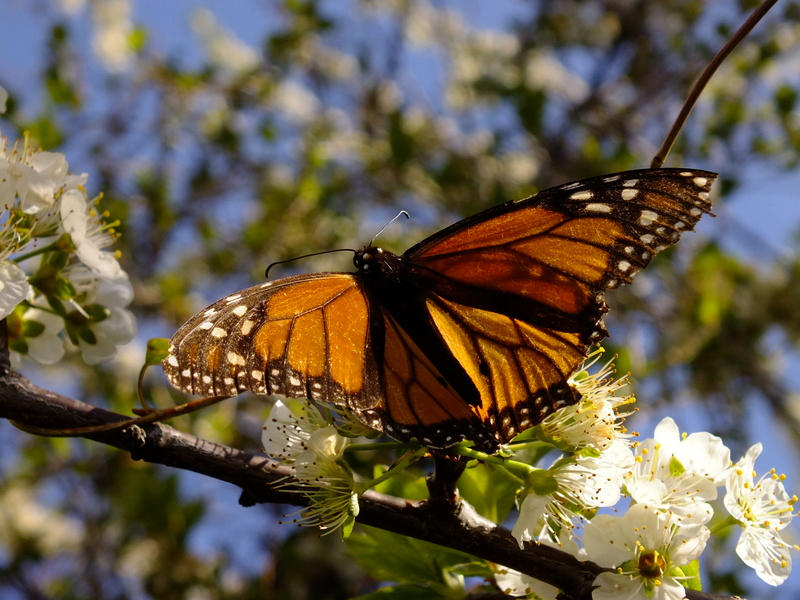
(704, 78)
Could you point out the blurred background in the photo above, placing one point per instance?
(228, 135)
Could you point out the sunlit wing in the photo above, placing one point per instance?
(520, 370)
(548, 258)
(417, 400)
(304, 336)
(516, 292)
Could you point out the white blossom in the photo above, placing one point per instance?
(597, 419)
(647, 549)
(678, 475)
(112, 36)
(119, 326)
(514, 583)
(296, 433)
(35, 178)
(296, 102)
(90, 235)
(14, 287)
(47, 348)
(571, 486)
(763, 509)
(287, 432)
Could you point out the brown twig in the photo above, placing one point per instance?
(461, 528)
(704, 78)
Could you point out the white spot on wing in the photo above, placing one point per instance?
(629, 193)
(700, 181)
(582, 195)
(623, 265)
(205, 325)
(172, 360)
(598, 207)
(218, 332)
(247, 326)
(647, 217)
(239, 310)
(630, 182)
(235, 358)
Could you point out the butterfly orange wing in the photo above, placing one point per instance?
(516, 292)
(307, 335)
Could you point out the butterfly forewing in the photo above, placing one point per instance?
(302, 336)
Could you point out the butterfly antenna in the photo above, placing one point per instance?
(705, 76)
(288, 260)
(402, 213)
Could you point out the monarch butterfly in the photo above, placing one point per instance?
(471, 333)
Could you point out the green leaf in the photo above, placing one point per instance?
(410, 592)
(18, 345)
(690, 575)
(408, 483)
(388, 556)
(785, 99)
(97, 312)
(87, 335)
(32, 329)
(157, 351)
(490, 489)
(46, 132)
(137, 38)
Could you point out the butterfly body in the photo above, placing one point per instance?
(471, 333)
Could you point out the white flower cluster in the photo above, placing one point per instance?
(669, 482)
(296, 434)
(59, 284)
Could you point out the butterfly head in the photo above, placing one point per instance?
(373, 260)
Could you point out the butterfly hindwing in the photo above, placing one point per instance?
(520, 370)
(418, 401)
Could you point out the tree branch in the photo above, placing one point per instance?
(455, 526)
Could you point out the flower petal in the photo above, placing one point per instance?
(14, 287)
